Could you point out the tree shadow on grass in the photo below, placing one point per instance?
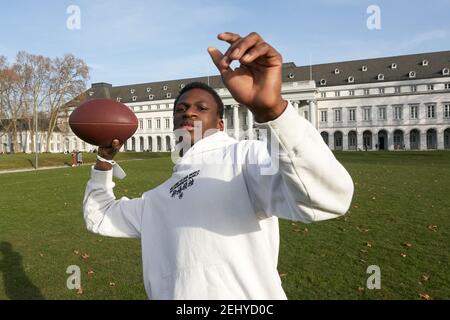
(16, 283)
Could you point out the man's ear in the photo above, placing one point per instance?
(220, 125)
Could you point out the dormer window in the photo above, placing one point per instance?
(291, 75)
(149, 89)
(91, 93)
(351, 79)
(445, 72)
(380, 77)
(182, 85)
(424, 63)
(132, 91)
(323, 82)
(118, 99)
(364, 68)
(337, 71)
(168, 95)
(150, 97)
(164, 88)
(394, 66)
(412, 74)
(134, 98)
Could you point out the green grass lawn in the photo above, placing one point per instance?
(399, 220)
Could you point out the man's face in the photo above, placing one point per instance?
(197, 111)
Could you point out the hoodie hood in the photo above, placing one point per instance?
(217, 140)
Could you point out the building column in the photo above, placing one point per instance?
(295, 104)
(440, 139)
(359, 140)
(423, 139)
(312, 111)
(331, 140)
(406, 140)
(236, 121)
(344, 141)
(250, 124)
(225, 121)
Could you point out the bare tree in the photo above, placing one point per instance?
(66, 83)
(37, 72)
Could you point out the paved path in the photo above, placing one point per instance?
(54, 167)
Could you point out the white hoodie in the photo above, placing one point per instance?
(211, 230)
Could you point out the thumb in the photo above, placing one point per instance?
(217, 57)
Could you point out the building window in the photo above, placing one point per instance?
(381, 90)
(398, 89)
(337, 93)
(382, 113)
(150, 97)
(337, 115)
(323, 94)
(414, 114)
(167, 123)
(431, 114)
(413, 88)
(364, 68)
(132, 91)
(149, 123)
(134, 98)
(447, 86)
(158, 123)
(351, 92)
(141, 124)
(165, 88)
(366, 92)
(352, 114)
(366, 114)
(412, 74)
(447, 110)
(398, 110)
(168, 95)
(380, 77)
(430, 87)
(118, 99)
(323, 116)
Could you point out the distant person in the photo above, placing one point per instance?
(211, 230)
(79, 158)
(74, 158)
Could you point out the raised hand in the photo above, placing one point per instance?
(256, 83)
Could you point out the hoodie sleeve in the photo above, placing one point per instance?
(295, 175)
(107, 216)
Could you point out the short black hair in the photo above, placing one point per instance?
(203, 86)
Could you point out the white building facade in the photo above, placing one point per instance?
(393, 103)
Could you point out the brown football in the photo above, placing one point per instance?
(100, 121)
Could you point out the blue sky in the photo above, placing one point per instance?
(136, 41)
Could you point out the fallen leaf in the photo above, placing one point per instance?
(368, 244)
(425, 277)
(306, 230)
(283, 275)
(403, 255)
(80, 291)
(76, 252)
(360, 289)
(373, 198)
(293, 224)
(363, 251)
(85, 256)
(408, 245)
(433, 227)
(41, 255)
(424, 296)
(90, 272)
(296, 230)
(112, 284)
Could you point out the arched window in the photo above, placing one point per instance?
(352, 140)
(338, 140)
(325, 137)
(414, 139)
(431, 139)
(398, 140)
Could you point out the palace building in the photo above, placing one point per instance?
(391, 103)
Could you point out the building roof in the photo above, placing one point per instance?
(378, 70)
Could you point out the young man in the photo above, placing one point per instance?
(211, 230)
